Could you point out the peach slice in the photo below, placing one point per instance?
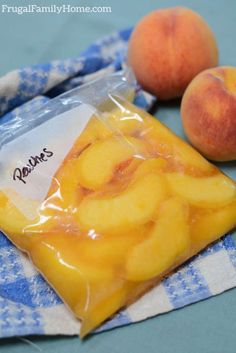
(92, 291)
(170, 146)
(23, 229)
(65, 192)
(151, 165)
(14, 222)
(96, 129)
(112, 297)
(136, 122)
(59, 257)
(96, 165)
(124, 120)
(118, 121)
(111, 249)
(168, 239)
(135, 206)
(213, 191)
(211, 225)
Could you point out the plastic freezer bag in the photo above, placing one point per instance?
(105, 199)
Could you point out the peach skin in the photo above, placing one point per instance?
(208, 113)
(168, 48)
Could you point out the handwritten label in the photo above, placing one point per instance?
(29, 162)
(22, 173)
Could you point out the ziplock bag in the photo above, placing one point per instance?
(104, 198)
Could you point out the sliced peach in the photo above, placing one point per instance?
(96, 129)
(125, 121)
(65, 192)
(131, 120)
(110, 249)
(14, 223)
(113, 296)
(91, 290)
(59, 258)
(152, 165)
(114, 122)
(135, 206)
(96, 165)
(167, 241)
(127, 168)
(168, 145)
(213, 191)
(23, 229)
(211, 225)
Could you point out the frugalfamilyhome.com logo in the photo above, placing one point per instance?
(53, 9)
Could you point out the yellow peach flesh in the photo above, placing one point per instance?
(116, 235)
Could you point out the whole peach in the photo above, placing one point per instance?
(168, 48)
(208, 111)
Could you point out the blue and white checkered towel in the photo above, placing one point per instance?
(27, 303)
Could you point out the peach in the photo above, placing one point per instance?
(102, 158)
(161, 140)
(58, 256)
(208, 113)
(133, 207)
(214, 191)
(165, 243)
(210, 225)
(23, 228)
(168, 48)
